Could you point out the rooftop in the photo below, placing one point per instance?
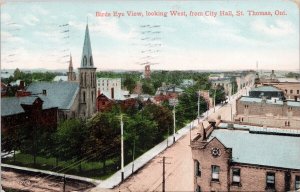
(266, 89)
(270, 101)
(260, 149)
(61, 94)
(12, 105)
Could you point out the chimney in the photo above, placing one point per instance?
(44, 92)
(22, 85)
(212, 123)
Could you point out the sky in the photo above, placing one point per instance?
(43, 34)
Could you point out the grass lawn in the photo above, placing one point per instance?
(88, 169)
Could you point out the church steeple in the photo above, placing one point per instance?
(87, 79)
(87, 56)
(71, 74)
(70, 64)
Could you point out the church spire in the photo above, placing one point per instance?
(70, 63)
(87, 56)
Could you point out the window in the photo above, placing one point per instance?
(297, 182)
(236, 176)
(270, 180)
(83, 97)
(84, 61)
(291, 91)
(297, 91)
(215, 170)
(197, 168)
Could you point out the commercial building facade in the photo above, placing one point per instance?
(235, 157)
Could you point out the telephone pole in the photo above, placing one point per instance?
(122, 150)
(164, 173)
(164, 179)
(198, 106)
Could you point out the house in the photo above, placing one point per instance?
(237, 157)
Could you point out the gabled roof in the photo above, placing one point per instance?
(12, 105)
(59, 94)
(261, 149)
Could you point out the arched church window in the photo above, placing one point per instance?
(91, 61)
(84, 61)
(83, 95)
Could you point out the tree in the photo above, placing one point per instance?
(104, 136)
(148, 88)
(220, 94)
(129, 83)
(187, 108)
(70, 137)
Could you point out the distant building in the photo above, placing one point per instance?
(147, 72)
(60, 78)
(170, 90)
(290, 86)
(187, 83)
(267, 92)
(3, 89)
(110, 87)
(225, 82)
(236, 157)
(268, 112)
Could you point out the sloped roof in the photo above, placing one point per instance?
(12, 105)
(261, 149)
(59, 94)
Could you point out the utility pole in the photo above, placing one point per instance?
(174, 122)
(133, 153)
(198, 105)
(173, 102)
(215, 100)
(163, 181)
(164, 173)
(122, 151)
(64, 188)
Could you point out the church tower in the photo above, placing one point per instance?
(87, 79)
(71, 74)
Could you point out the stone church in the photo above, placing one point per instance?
(76, 97)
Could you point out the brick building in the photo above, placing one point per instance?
(235, 157)
(31, 110)
(267, 92)
(268, 112)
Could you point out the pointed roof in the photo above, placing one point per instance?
(71, 63)
(87, 56)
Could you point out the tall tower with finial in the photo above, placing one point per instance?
(71, 74)
(87, 79)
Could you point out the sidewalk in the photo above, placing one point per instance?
(38, 171)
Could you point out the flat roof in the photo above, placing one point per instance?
(269, 101)
(260, 149)
(266, 89)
